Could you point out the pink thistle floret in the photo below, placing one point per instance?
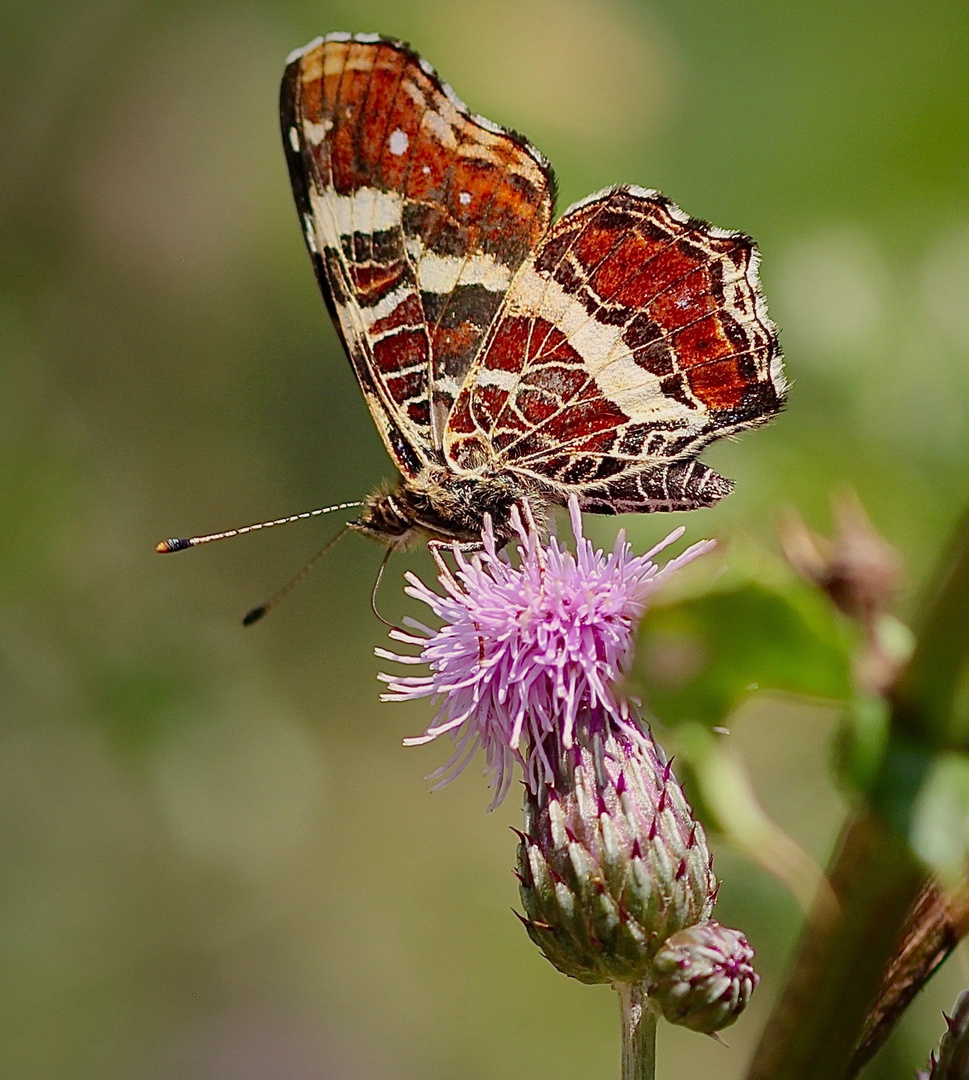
(527, 647)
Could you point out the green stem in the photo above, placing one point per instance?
(927, 699)
(638, 1033)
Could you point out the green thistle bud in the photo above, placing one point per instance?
(612, 861)
(703, 977)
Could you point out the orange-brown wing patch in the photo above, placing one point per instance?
(417, 213)
(634, 337)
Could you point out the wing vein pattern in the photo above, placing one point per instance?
(595, 357)
(633, 337)
(417, 213)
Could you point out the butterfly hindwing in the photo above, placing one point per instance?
(416, 214)
(633, 337)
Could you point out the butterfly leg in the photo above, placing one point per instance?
(376, 587)
(438, 547)
(528, 516)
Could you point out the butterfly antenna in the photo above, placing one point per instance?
(376, 586)
(164, 547)
(256, 613)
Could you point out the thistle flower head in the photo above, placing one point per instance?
(526, 646)
(613, 867)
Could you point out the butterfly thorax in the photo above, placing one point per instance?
(440, 504)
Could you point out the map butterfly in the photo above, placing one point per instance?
(507, 359)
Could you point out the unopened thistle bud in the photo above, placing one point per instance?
(703, 977)
(611, 861)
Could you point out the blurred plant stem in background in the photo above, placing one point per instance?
(817, 1022)
(931, 700)
(934, 926)
(848, 966)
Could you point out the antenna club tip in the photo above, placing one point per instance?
(254, 615)
(163, 547)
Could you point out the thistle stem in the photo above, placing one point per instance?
(638, 1033)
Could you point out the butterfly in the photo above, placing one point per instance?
(507, 360)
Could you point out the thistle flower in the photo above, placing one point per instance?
(526, 648)
(616, 877)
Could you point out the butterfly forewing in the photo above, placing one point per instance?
(417, 215)
(631, 338)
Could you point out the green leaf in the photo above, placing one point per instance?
(723, 795)
(698, 658)
(939, 831)
(862, 741)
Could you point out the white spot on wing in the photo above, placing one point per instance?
(777, 374)
(309, 230)
(464, 198)
(490, 125)
(315, 133)
(294, 139)
(498, 377)
(455, 100)
(398, 142)
(447, 385)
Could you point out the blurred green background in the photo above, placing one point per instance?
(216, 860)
